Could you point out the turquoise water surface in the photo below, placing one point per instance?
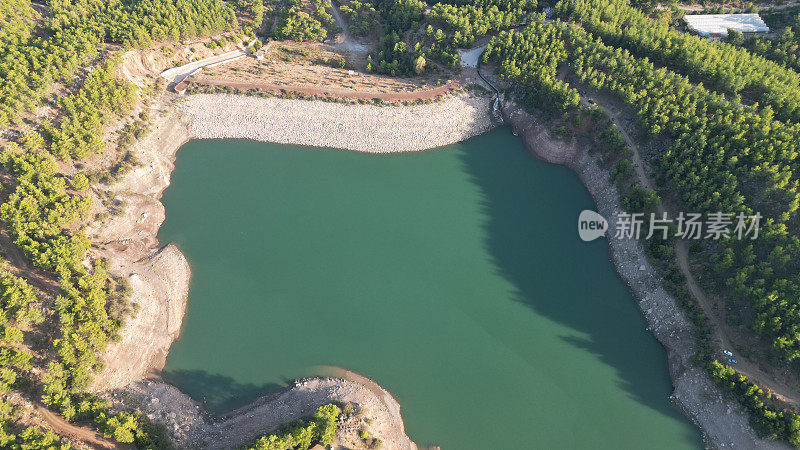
(454, 278)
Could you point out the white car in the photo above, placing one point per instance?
(727, 353)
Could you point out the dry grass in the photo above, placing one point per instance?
(315, 65)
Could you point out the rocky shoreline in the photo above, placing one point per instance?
(191, 427)
(159, 275)
(364, 128)
(722, 422)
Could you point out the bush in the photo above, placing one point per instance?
(80, 182)
(304, 433)
(767, 421)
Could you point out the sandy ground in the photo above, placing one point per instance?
(722, 422)
(158, 276)
(469, 58)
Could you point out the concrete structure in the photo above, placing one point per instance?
(717, 25)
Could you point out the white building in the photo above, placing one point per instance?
(717, 25)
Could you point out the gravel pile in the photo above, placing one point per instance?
(366, 128)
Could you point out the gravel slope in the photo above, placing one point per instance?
(366, 128)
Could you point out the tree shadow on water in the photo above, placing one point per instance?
(554, 273)
(218, 393)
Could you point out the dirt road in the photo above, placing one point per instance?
(346, 41)
(423, 94)
(588, 100)
(38, 278)
(62, 427)
(744, 366)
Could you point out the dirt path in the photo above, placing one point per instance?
(424, 94)
(42, 9)
(744, 366)
(38, 278)
(347, 42)
(62, 427)
(11, 251)
(587, 100)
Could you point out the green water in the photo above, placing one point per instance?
(454, 278)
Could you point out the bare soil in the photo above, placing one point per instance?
(158, 276)
(314, 69)
(85, 435)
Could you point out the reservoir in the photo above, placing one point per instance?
(454, 278)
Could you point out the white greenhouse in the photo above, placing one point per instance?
(717, 25)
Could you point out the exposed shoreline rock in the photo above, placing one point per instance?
(159, 275)
(365, 128)
(191, 427)
(722, 422)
